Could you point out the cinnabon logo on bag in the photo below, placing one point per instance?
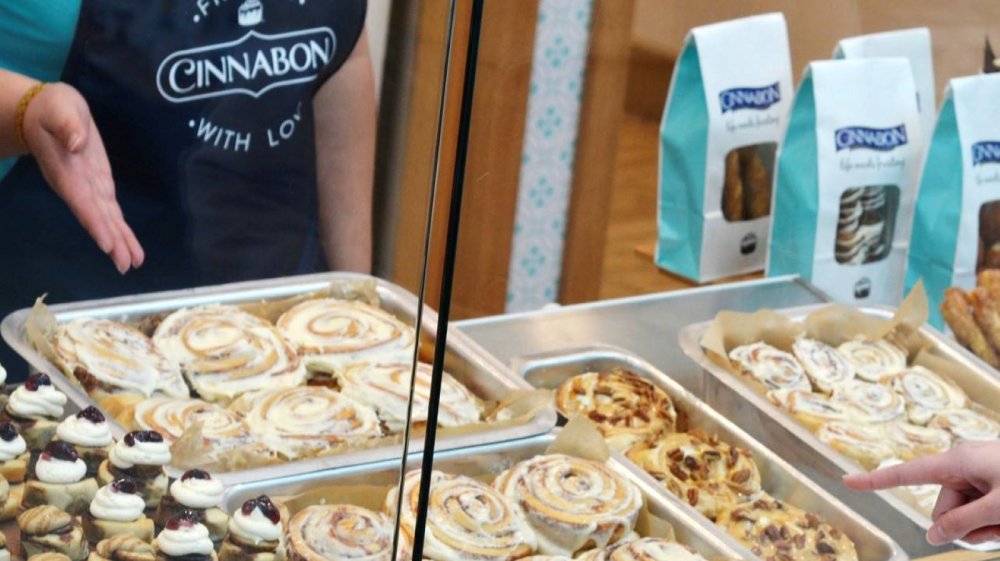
(862, 288)
(735, 99)
(748, 244)
(986, 152)
(251, 65)
(883, 140)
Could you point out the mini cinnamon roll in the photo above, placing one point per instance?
(865, 444)
(197, 491)
(874, 361)
(915, 441)
(48, 529)
(814, 409)
(35, 409)
(254, 533)
(775, 369)
(876, 402)
(184, 539)
(117, 509)
(824, 365)
(644, 549)
(221, 428)
(926, 393)
(141, 456)
(966, 425)
(60, 480)
(348, 532)
(89, 434)
(122, 548)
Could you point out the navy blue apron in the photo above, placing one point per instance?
(205, 109)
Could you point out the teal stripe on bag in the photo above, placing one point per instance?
(683, 151)
(796, 202)
(934, 241)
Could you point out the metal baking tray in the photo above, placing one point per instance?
(711, 542)
(466, 360)
(734, 397)
(778, 477)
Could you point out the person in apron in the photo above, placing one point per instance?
(212, 113)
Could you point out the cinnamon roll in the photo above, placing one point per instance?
(914, 441)
(775, 369)
(773, 529)
(877, 402)
(331, 334)
(35, 409)
(184, 538)
(874, 361)
(89, 433)
(49, 529)
(222, 428)
(109, 358)
(824, 365)
(122, 548)
(348, 532)
(465, 519)
(199, 492)
(573, 504)
(644, 549)
(699, 469)
(626, 408)
(117, 510)
(224, 351)
(385, 387)
(306, 421)
(60, 480)
(865, 444)
(814, 409)
(254, 533)
(966, 425)
(926, 393)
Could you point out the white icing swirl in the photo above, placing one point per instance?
(255, 528)
(109, 504)
(3, 375)
(10, 449)
(124, 456)
(84, 432)
(186, 540)
(46, 401)
(197, 493)
(53, 470)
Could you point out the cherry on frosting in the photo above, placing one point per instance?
(142, 436)
(91, 414)
(61, 451)
(125, 485)
(196, 474)
(187, 518)
(266, 507)
(8, 432)
(37, 380)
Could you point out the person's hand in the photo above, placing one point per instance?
(968, 507)
(61, 134)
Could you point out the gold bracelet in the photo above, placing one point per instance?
(22, 108)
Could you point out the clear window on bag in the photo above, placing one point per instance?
(866, 224)
(746, 191)
(989, 236)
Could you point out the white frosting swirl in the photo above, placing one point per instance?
(3, 375)
(187, 540)
(197, 493)
(53, 470)
(10, 449)
(84, 432)
(46, 401)
(255, 528)
(124, 456)
(109, 504)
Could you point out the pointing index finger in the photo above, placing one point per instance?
(930, 469)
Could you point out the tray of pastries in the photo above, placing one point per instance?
(266, 378)
(700, 460)
(842, 390)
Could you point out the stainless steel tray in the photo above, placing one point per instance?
(778, 477)
(469, 363)
(743, 405)
(711, 542)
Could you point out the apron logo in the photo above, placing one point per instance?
(251, 65)
(883, 140)
(250, 13)
(986, 152)
(749, 98)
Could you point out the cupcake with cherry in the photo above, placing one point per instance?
(89, 433)
(184, 538)
(141, 456)
(255, 533)
(14, 458)
(35, 409)
(117, 509)
(197, 491)
(60, 480)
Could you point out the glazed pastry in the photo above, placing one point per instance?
(626, 408)
(348, 532)
(775, 369)
(109, 359)
(14, 458)
(224, 352)
(34, 409)
(47, 528)
(824, 365)
(814, 409)
(915, 441)
(465, 519)
(573, 504)
(141, 456)
(732, 189)
(198, 491)
(222, 429)
(957, 312)
(117, 510)
(877, 403)
(331, 334)
(184, 539)
(865, 444)
(966, 425)
(122, 548)
(924, 497)
(90, 435)
(385, 387)
(874, 361)
(926, 393)
(60, 480)
(644, 549)
(700, 470)
(756, 183)
(306, 421)
(772, 529)
(254, 533)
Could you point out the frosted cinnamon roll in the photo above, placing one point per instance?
(348, 532)
(966, 425)
(573, 504)
(644, 549)
(865, 444)
(926, 393)
(814, 409)
(877, 402)
(122, 548)
(35, 409)
(110, 358)
(775, 369)
(874, 361)
(466, 519)
(220, 427)
(197, 491)
(385, 387)
(49, 529)
(699, 469)
(626, 408)
(224, 351)
(254, 533)
(117, 509)
(331, 334)
(915, 441)
(141, 456)
(306, 421)
(60, 480)
(824, 365)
